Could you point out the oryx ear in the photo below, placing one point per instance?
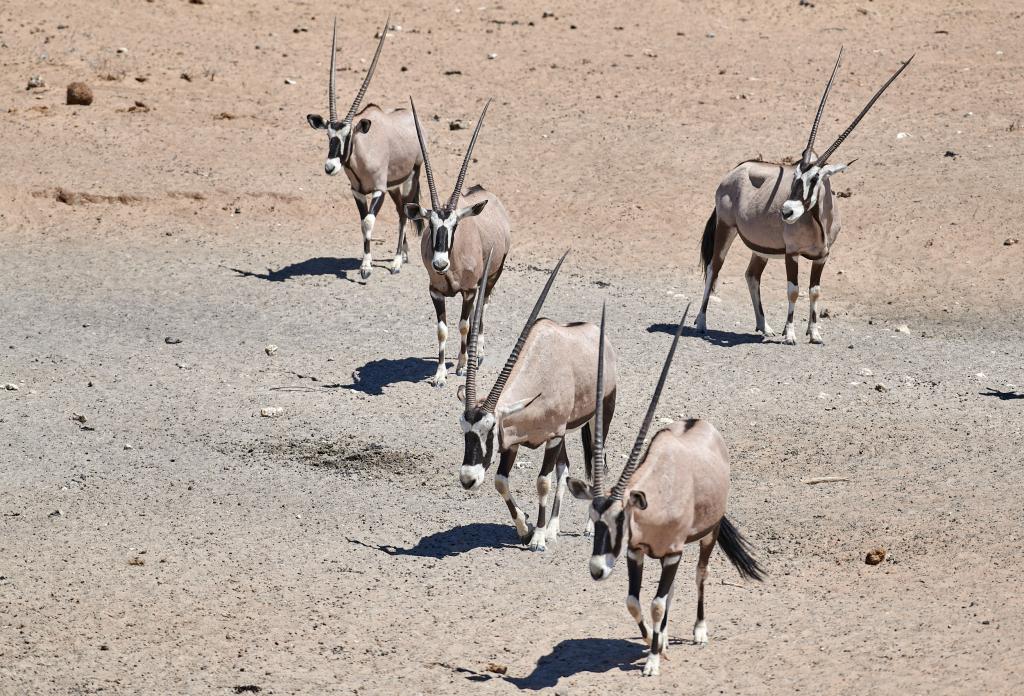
(830, 169)
(416, 212)
(638, 499)
(472, 210)
(461, 393)
(315, 121)
(580, 489)
(363, 126)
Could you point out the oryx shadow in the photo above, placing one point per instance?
(1002, 395)
(317, 266)
(724, 339)
(372, 377)
(577, 655)
(455, 541)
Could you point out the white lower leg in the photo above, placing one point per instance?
(561, 475)
(761, 326)
(460, 367)
(539, 540)
(442, 339)
(812, 322)
(793, 291)
(518, 519)
(367, 226)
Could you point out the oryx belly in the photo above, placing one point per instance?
(685, 479)
(558, 363)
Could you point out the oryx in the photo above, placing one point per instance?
(779, 210)
(543, 392)
(470, 227)
(676, 494)
(379, 154)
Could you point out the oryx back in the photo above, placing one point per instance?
(685, 478)
(385, 155)
(557, 363)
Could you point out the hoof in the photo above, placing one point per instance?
(700, 633)
(460, 371)
(766, 331)
(364, 273)
(395, 270)
(438, 380)
(817, 339)
(653, 666)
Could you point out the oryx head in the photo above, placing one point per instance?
(480, 417)
(443, 219)
(608, 510)
(812, 172)
(339, 133)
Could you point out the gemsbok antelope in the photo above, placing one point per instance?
(379, 154)
(542, 392)
(780, 210)
(470, 227)
(676, 494)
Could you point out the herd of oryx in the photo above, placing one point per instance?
(562, 377)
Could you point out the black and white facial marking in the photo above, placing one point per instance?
(478, 429)
(608, 516)
(442, 225)
(807, 186)
(339, 140)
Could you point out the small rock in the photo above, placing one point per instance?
(56, 513)
(35, 82)
(187, 77)
(875, 556)
(172, 341)
(271, 411)
(492, 56)
(901, 135)
(136, 561)
(880, 387)
(457, 124)
(497, 668)
(183, 366)
(950, 153)
(866, 372)
(122, 50)
(903, 328)
(78, 417)
(822, 395)
(79, 93)
(270, 349)
(289, 81)
(710, 35)
(1010, 241)
(10, 386)
(128, 447)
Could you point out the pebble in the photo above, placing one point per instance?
(901, 135)
(10, 386)
(903, 328)
(35, 82)
(1010, 241)
(128, 447)
(122, 50)
(270, 349)
(289, 81)
(875, 556)
(492, 56)
(271, 411)
(79, 93)
(866, 372)
(172, 341)
(880, 387)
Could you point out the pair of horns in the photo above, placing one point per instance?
(435, 202)
(806, 158)
(332, 92)
(474, 332)
(597, 487)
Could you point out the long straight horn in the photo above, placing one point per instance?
(499, 384)
(332, 94)
(369, 73)
(634, 456)
(465, 160)
(806, 159)
(839, 141)
(597, 465)
(474, 335)
(435, 204)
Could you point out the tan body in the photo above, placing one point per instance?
(749, 203)
(384, 159)
(685, 478)
(474, 238)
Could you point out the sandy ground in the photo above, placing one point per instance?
(176, 542)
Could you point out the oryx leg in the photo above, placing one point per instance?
(793, 292)
(588, 467)
(401, 195)
(523, 528)
(439, 378)
(723, 240)
(707, 545)
(489, 288)
(753, 275)
(552, 453)
(561, 474)
(659, 614)
(467, 309)
(635, 570)
(814, 293)
(369, 205)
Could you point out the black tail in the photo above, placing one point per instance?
(707, 242)
(737, 549)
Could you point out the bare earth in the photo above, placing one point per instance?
(199, 547)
